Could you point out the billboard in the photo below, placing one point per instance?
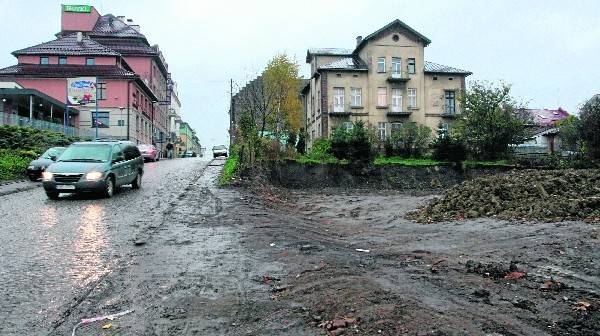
(81, 91)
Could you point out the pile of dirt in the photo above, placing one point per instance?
(543, 195)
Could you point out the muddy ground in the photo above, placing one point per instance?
(272, 261)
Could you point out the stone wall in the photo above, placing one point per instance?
(294, 175)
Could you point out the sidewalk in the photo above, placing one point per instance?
(15, 186)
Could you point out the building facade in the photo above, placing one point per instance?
(384, 80)
(135, 99)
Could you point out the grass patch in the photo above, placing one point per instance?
(229, 170)
(406, 162)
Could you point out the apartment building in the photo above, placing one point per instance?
(384, 80)
(134, 88)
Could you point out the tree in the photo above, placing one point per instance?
(353, 145)
(589, 127)
(410, 141)
(282, 83)
(489, 123)
(448, 147)
(256, 100)
(569, 136)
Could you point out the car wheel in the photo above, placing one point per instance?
(110, 188)
(137, 183)
(52, 195)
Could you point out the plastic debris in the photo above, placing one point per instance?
(361, 250)
(107, 326)
(100, 318)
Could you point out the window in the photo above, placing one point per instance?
(443, 130)
(396, 65)
(381, 64)
(62, 60)
(411, 66)
(348, 125)
(338, 99)
(120, 122)
(89, 61)
(103, 119)
(381, 131)
(101, 88)
(356, 96)
(412, 98)
(396, 100)
(450, 102)
(44, 60)
(396, 127)
(381, 96)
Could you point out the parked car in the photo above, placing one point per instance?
(37, 166)
(219, 150)
(149, 152)
(189, 154)
(94, 167)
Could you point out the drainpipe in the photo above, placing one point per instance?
(128, 104)
(30, 110)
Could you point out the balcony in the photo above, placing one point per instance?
(342, 110)
(398, 76)
(395, 110)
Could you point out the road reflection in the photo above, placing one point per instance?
(89, 244)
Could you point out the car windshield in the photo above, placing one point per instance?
(93, 153)
(219, 147)
(52, 152)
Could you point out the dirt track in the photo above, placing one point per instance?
(470, 277)
(229, 261)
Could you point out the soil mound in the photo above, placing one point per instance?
(542, 195)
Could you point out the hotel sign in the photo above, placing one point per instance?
(77, 8)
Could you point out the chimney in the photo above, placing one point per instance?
(79, 37)
(133, 26)
(122, 18)
(358, 40)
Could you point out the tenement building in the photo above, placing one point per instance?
(384, 80)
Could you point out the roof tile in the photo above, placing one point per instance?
(68, 46)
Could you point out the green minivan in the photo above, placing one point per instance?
(96, 167)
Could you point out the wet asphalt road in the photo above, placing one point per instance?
(52, 252)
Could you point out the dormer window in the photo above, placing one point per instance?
(44, 60)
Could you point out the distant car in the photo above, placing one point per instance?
(189, 154)
(37, 166)
(149, 152)
(94, 167)
(219, 150)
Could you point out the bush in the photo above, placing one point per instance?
(447, 148)
(13, 166)
(353, 145)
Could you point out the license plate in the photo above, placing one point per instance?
(65, 187)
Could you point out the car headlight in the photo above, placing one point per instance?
(91, 176)
(46, 176)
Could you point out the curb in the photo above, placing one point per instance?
(15, 186)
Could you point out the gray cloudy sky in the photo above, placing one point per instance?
(548, 50)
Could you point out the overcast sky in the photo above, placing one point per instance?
(548, 50)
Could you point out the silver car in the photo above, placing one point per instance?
(149, 152)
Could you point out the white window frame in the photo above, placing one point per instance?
(396, 100)
(396, 66)
(412, 98)
(356, 97)
(338, 99)
(381, 64)
(381, 96)
(381, 130)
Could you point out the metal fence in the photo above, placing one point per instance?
(17, 120)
